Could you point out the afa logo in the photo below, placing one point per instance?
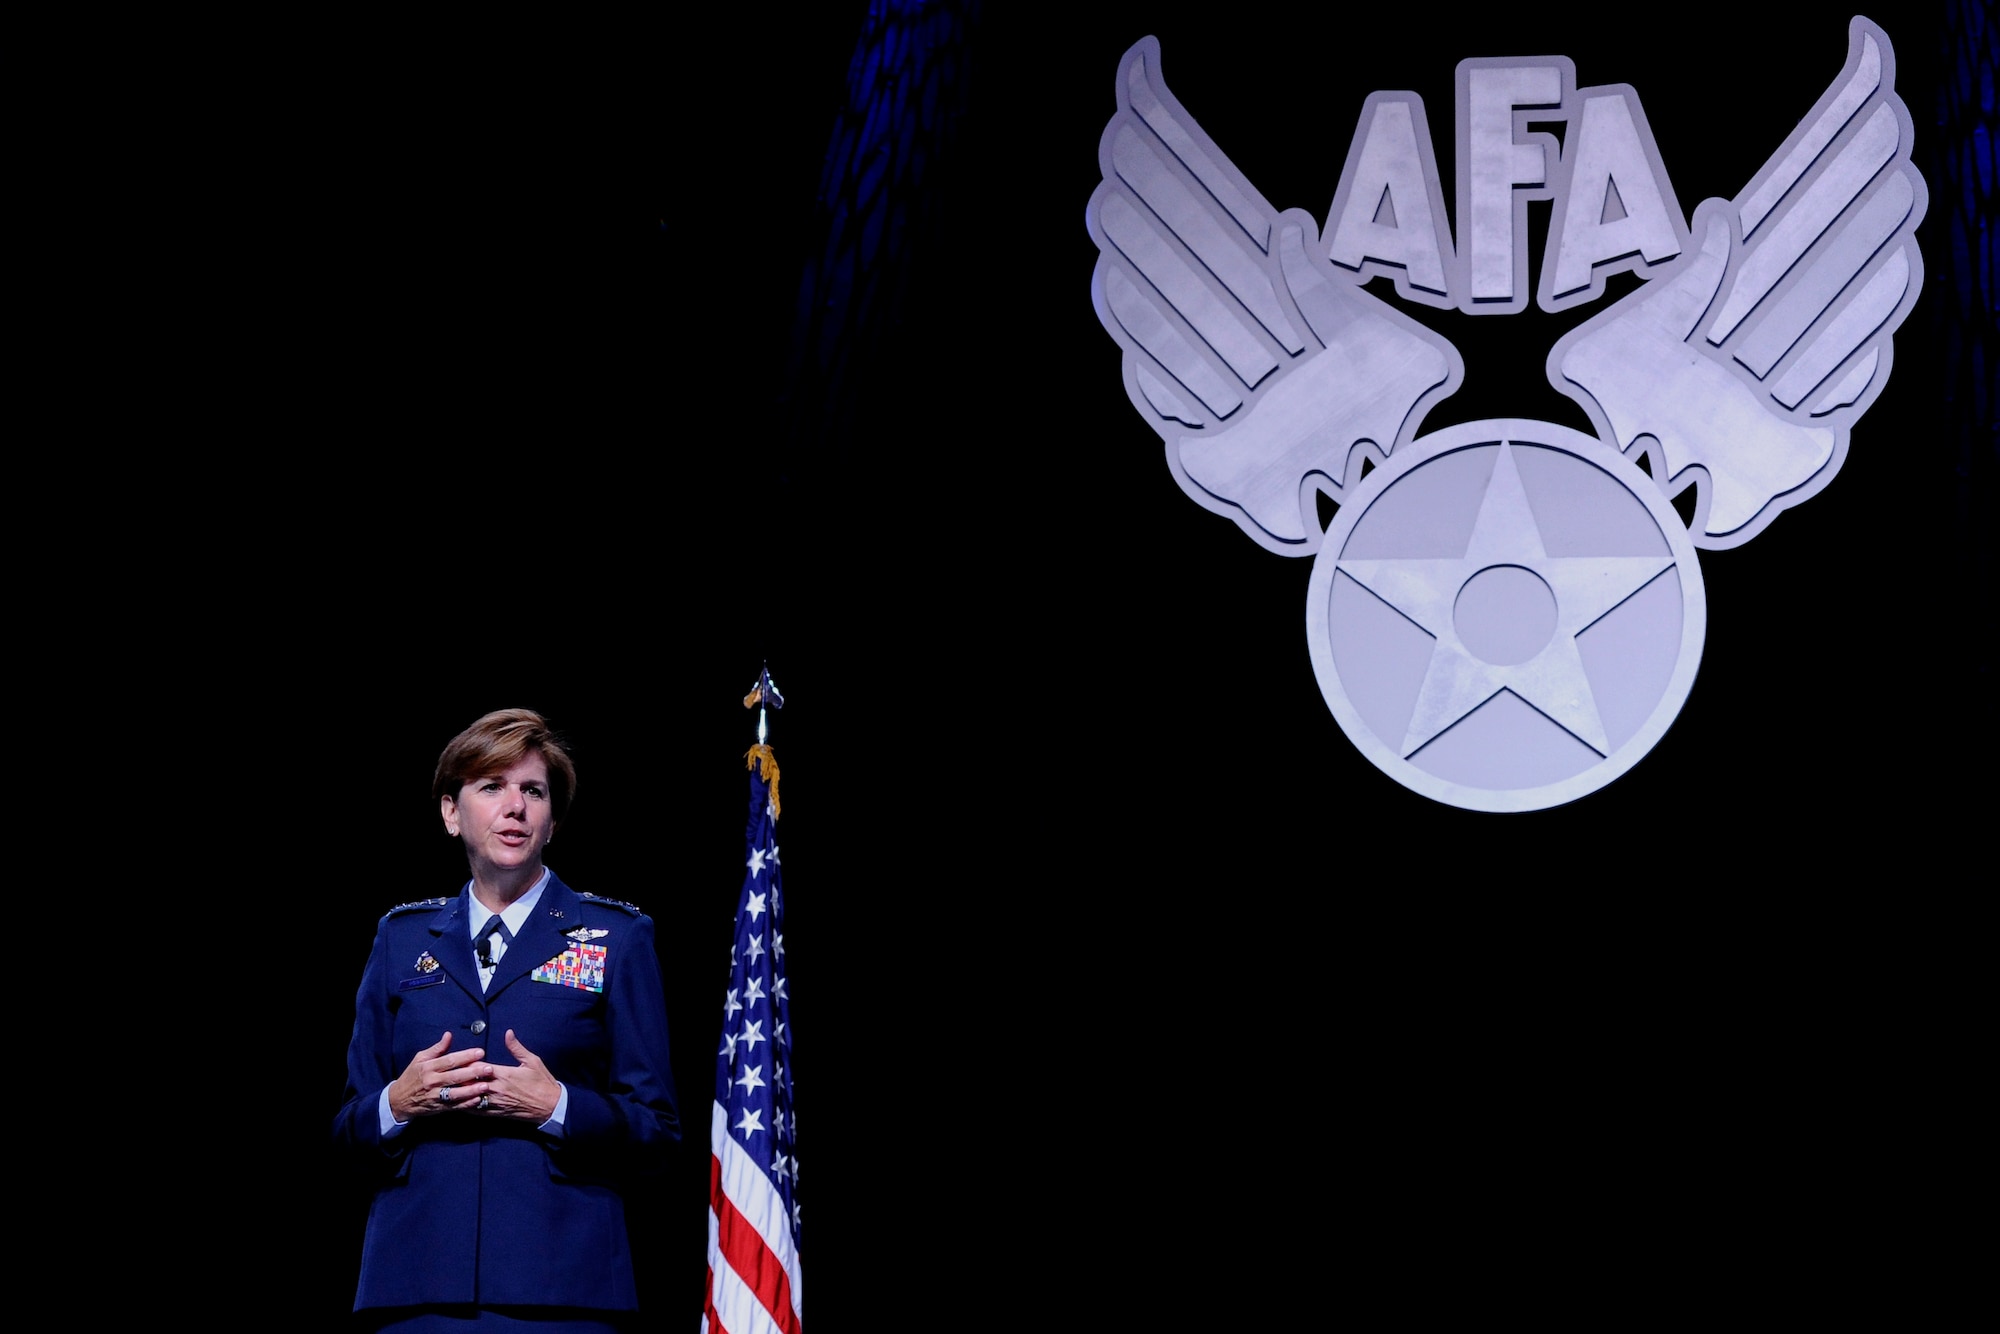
(1507, 614)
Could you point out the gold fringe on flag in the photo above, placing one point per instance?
(760, 751)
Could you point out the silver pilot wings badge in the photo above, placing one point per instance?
(1507, 614)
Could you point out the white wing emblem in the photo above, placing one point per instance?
(1747, 363)
(1267, 371)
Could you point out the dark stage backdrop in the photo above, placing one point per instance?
(1124, 988)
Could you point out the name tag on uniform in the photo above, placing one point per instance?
(412, 983)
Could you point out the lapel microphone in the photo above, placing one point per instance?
(484, 948)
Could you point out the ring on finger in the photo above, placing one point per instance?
(444, 1094)
(482, 1102)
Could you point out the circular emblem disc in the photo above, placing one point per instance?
(1505, 616)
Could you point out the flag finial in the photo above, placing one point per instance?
(761, 694)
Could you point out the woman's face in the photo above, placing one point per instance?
(505, 819)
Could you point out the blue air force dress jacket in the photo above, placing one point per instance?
(494, 1212)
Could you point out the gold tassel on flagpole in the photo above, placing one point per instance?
(763, 752)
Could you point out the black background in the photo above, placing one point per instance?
(1124, 987)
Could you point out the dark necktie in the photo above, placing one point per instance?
(485, 946)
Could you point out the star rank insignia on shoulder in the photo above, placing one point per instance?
(414, 904)
(583, 933)
(611, 903)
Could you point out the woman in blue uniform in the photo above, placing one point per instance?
(508, 1075)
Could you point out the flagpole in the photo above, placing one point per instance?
(754, 1278)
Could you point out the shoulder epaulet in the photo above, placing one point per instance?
(613, 903)
(415, 904)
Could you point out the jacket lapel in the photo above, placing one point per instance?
(453, 950)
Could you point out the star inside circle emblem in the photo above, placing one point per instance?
(1506, 616)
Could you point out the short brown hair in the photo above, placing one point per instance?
(495, 744)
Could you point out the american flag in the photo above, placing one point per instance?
(753, 1174)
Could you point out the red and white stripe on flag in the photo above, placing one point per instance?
(754, 1282)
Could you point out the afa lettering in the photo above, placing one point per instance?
(1613, 210)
